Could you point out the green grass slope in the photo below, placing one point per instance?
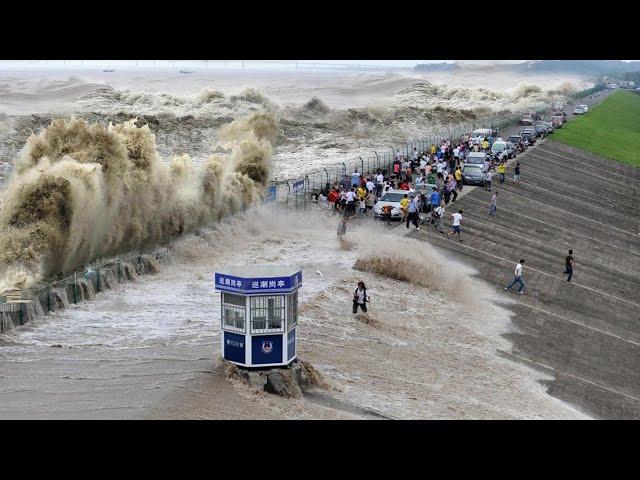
(610, 129)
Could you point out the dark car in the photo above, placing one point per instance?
(529, 135)
(541, 129)
(472, 175)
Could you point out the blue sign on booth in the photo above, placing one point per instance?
(266, 349)
(249, 285)
(234, 347)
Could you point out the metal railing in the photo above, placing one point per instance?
(382, 159)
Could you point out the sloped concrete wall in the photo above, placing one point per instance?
(586, 333)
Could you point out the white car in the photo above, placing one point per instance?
(585, 108)
(392, 198)
(579, 110)
(479, 134)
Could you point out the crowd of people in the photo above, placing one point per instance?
(441, 169)
(432, 179)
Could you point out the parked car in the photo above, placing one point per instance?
(475, 158)
(472, 175)
(501, 149)
(540, 129)
(479, 134)
(519, 143)
(529, 135)
(392, 198)
(557, 120)
(526, 120)
(585, 107)
(579, 110)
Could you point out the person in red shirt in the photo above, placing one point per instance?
(333, 197)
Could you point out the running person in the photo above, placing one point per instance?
(517, 278)
(516, 173)
(568, 266)
(493, 209)
(457, 221)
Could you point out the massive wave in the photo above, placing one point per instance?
(83, 191)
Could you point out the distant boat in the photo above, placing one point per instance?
(108, 70)
(186, 71)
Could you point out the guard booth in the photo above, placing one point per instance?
(259, 314)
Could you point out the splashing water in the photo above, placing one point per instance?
(84, 191)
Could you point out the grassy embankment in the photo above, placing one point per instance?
(610, 129)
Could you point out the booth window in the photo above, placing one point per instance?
(267, 314)
(292, 310)
(233, 307)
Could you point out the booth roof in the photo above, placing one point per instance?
(260, 271)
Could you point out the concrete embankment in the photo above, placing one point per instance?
(585, 333)
(22, 307)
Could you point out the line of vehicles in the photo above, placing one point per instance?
(473, 173)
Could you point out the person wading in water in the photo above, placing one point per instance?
(360, 298)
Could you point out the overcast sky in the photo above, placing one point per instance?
(250, 64)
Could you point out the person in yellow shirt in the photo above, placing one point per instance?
(404, 206)
(501, 169)
(458, 175)
(485, 144)
(362, 192)
(433, 149)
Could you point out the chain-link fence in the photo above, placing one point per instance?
(297, 192)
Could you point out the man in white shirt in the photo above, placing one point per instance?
(415, 153)
(517, 278)
(457, 221)
(370, 185)
(351, 203)
(379, 184)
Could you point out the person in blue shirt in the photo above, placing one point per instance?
(355, 179)
(434, 198)
(413, 216)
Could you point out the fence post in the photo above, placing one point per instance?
(377, 160)
(97, 279)
(361, 166)
(48, 299)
